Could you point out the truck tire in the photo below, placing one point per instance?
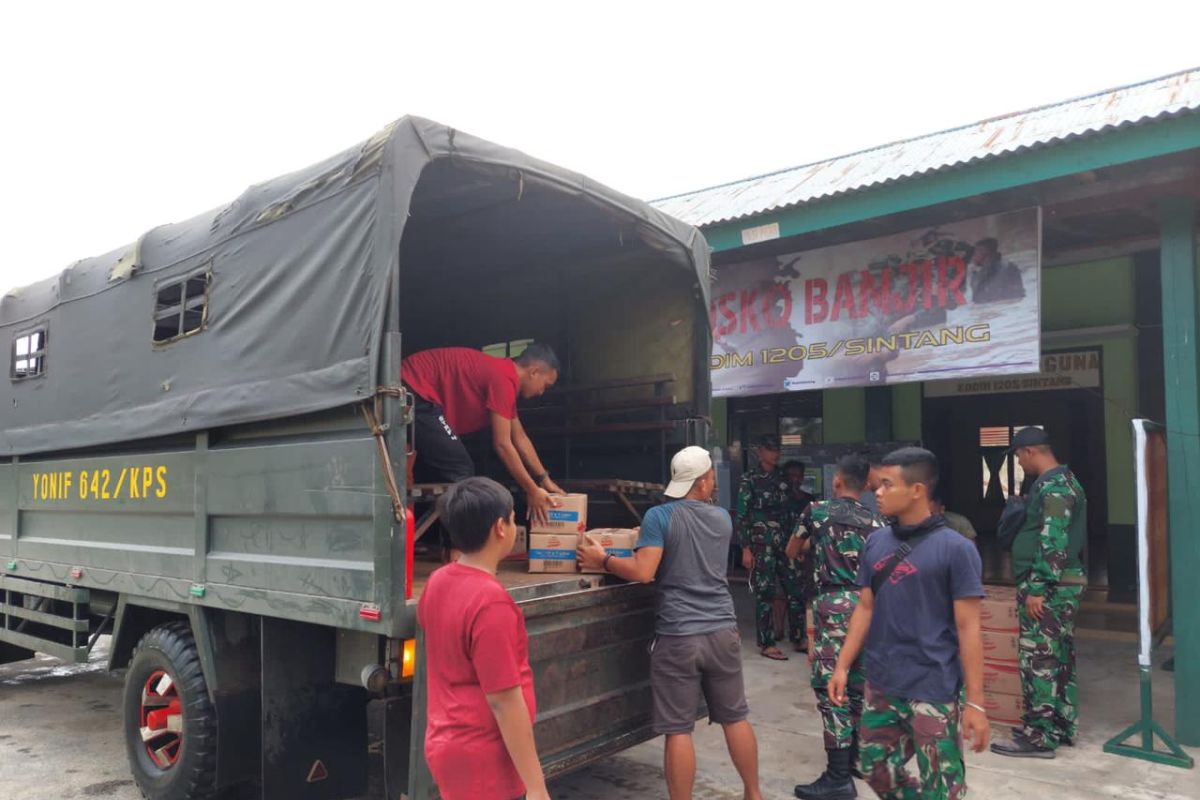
(170, 724)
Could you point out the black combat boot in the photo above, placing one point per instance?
(855, 770)
(835, 783)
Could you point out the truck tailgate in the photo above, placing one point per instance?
(589, 650)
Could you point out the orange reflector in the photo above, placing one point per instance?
(408, 663)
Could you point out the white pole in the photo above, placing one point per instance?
(1143, 540)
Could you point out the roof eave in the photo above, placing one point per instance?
(1121, 144)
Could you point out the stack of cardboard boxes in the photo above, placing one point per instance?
(552, 545)
(1001, 676)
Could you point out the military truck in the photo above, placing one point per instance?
(205, 447)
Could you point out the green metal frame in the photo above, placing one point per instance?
(1181, 362)
(1006, 172)
(1174, 756)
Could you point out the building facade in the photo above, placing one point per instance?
(1114, 182)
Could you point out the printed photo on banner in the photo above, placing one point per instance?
(957, 300)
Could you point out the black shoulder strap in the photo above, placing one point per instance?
(899, 554)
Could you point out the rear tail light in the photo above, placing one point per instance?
(408, 661)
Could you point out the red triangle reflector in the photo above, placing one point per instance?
(318, 772)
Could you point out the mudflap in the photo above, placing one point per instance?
(230, 652)
(314, 731)
(389, 723)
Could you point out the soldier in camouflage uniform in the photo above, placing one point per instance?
(918, 619)
(800, 500)
(1050, 580)
(763, 524)
(833, 533)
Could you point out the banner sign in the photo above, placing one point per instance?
(956, 301)
(1074, 369)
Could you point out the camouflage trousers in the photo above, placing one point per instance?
(1047, 661)
(894, 729)
(831, 621)
(773, 567)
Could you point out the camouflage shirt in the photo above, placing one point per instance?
(763, 507)
(838, 529)
(1052, 538)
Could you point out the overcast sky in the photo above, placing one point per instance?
(121, 116)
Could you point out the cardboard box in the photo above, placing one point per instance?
(569, 517)
(1000, 646)
(1004, 709)
(997, 592)
(520, 550)
(618, 541)
(553, 552)
(1001, 677)
(999, 615)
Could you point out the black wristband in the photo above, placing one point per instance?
(604, 563)
(539, 478)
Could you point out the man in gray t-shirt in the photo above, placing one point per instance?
(697, 649)
(693, 592)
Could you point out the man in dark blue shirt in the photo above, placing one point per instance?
(918, 616)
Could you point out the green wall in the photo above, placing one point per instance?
(844, 413)
(1088, 295)
(720, 420)
(1097, 294)
(906, 412)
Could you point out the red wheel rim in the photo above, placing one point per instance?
(161, 720)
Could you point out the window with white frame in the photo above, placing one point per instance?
(29, 354)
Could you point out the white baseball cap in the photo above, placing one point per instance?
(689, 465)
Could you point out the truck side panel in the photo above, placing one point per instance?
(279, 526)
(294, 517)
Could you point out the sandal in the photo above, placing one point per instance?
(774, 653)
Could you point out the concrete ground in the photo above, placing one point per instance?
(60, 738)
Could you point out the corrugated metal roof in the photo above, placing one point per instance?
(1129, 105)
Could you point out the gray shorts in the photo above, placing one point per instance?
(684, 668)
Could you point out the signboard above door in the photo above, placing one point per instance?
(1071, 369)
(958, 300)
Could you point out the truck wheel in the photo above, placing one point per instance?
(170, 725)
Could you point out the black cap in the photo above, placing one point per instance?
(1028, 437)
(769, 441)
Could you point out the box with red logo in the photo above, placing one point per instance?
(569, 517)
(1000, 646)
(1001, 677)
(1005, 709)
(998, 610)
(553, 552)
(617, 541)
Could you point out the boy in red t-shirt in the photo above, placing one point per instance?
(479, 735)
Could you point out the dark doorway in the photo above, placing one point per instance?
(970, 435)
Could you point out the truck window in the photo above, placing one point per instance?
(507, 349)
(181, 306)
(28, 354)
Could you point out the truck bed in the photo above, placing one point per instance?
(516, 578)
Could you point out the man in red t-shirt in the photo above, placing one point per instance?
(479, 735)
(461, 391)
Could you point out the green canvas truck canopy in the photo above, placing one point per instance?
(275, 304)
